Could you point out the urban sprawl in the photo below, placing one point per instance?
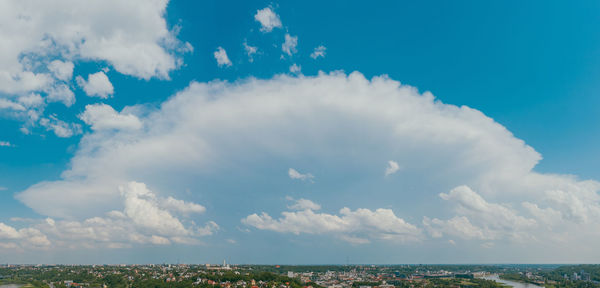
(305, 276)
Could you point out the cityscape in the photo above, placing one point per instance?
(286, 276)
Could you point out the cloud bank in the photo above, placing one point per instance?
(345, 124)
(46, 41)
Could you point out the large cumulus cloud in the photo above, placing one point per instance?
(343, 121)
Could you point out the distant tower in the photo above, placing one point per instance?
(224, 262)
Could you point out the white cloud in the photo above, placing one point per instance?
(181, 206)
(392, 168)
(7, 232)
(31, 100)
(267, 19)
(5, 144)
(62, 70)
(134, 41)
(59, 127)
(480, 219)
(47, 40)
(145, 219)
(318, 52)
(221, 57)
(215, 128)
(61, 93)
(294, 174)
(296, 69)
(357, 227)
(209, 229)
(142, 208)
(97, 85)
(250, 51)
(289, 46)
(304, 204)
(25, 238)
(7, 104)
(104, 117)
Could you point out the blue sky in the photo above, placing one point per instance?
(176, 155)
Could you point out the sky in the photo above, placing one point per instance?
(299, 132)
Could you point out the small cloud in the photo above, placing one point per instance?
(392, 168)
(5, 144)
(295, 69)
(294, 174)
(97, 85)
(318, 52)
(452, 242)
(303, 204)
(289, 46)
(231, 241)
(104, 117)
(221, 57)
(3, 188)
(268, 19)
(245, 230)
(250, 51)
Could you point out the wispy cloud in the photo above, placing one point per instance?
(294, 174)
(392, 168)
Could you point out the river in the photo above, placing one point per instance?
(508, 282)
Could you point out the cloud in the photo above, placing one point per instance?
(144, 219)
(25, 238)
(480, 219)
(304, 204)
(50, 39)
(181, 206)
(62, 70)
(142, 208)
(318, 52)
(343, 125)
(59, 127)
(250, 51)
(5, 144)
(61, 93)
(296, 69)
(104, 117)
(133, 41)
(7, 104)
(392, 168)
(358, 227)
(31, 100)
(267, 19)
(289, 46)
(221, 57)
(294, 174)
(97, 85)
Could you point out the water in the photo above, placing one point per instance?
(10, 286)
(507, 282)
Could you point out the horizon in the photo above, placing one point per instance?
(301, 133)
